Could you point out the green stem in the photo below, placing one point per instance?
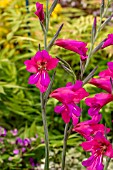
(47, 24)
(47, 15)
(43, 108)
(45, 40)
(64, 146)
(92, 45)
(98, 31)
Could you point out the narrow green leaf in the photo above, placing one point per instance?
(49, 88)
(91, 74)
(106, 22)
(102, 8)
(54, 38)
(53, 6)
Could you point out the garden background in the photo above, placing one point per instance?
(20, 34)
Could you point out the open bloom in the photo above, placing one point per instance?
(69, 96)
(40, 64)
(104, 78)
(97, 102)
(103, 83)
(98, 146)
(89, 128)
(75, 46)
(108, 72)
(108, 41)
(40, 11)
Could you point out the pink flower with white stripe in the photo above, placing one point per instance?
(97, 102)
(69, 96)
(99, 146)
(89, 128)
(40, 64)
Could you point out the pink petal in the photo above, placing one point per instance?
(40, 86)
(38, 57)
(46, 56)
(74, 119)
(110, 65)
(83, 58)
(34, 78)
(105, 73)
(108, 41)
(109, 151)
(72, 45)
(59, 109)
(87, 146)
(52, 63)
(88, 162)
(40, 11)
(103, 83)
(31, 65)
(45, 79)
(74, 109)
(74, 87)
(80, 94)
(42, 56)
(96, 118)
(63, 94)
(94, 110)
(65, 116)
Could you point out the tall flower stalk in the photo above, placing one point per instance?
(64, 146)
(43, 108)
(43, 104)
(72, 94)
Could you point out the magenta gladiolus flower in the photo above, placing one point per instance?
(40, 64)
(108, 41)
(97, 102)
(98, 146)
(40, 11)
(108, 72)
(75, 46)
(69, 96)
(103, 83)
(89, 128)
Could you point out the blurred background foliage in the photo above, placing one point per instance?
(20, 34)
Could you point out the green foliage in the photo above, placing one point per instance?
(20, 102)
